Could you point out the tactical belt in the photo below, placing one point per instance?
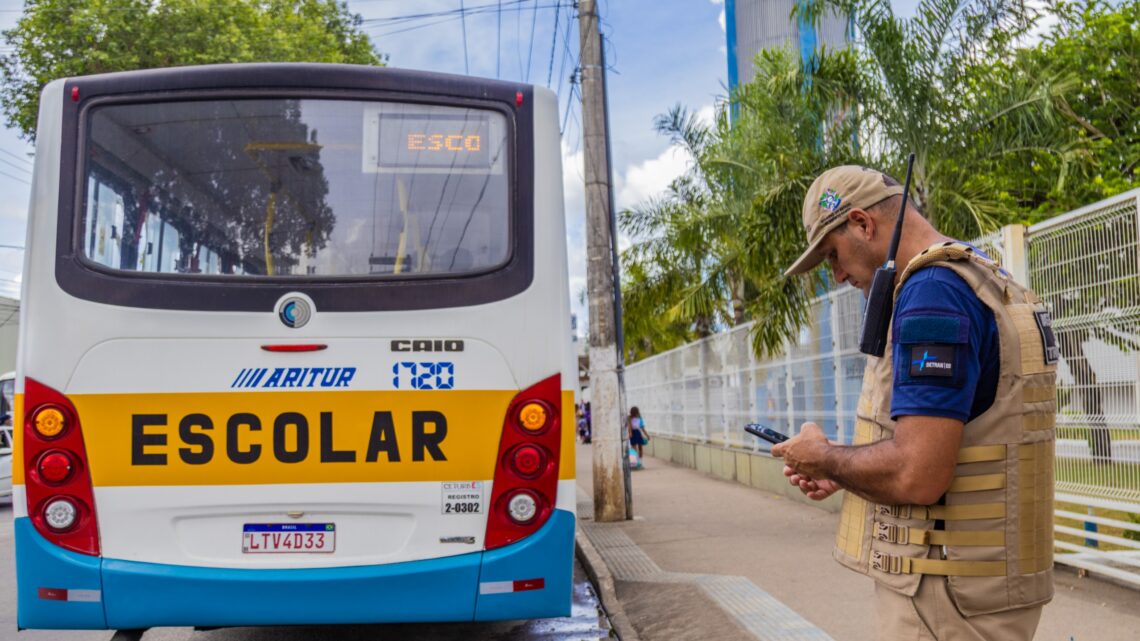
(944, 512)
(891, 564)
(903, 535)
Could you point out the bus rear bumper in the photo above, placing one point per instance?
(55, 588)
(529, 579)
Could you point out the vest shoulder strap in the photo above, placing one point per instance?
(948, 251)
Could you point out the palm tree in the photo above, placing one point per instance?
(710, 252)
(665, 300)
(930, 88)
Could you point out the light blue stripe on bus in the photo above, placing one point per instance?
(139, 595)
(547, 555)
(40, 564)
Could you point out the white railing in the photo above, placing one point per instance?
(1085, 265)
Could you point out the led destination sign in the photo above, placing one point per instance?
(408, 141)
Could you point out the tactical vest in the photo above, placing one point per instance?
(996, 543)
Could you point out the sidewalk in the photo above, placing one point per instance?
(711, 559)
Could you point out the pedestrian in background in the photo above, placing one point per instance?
(638, 435)
(583, 428)
(949, 502)
(589, 424)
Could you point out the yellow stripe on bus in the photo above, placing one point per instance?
(297, 437)
(567, 463)
(18, 440)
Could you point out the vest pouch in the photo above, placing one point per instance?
(1020, 542)
(980, 594)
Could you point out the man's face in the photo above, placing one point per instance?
(850, 256)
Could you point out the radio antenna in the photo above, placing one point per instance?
(881, 300)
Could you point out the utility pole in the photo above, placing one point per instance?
(608, 424)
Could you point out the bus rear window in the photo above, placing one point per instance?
(296, 188)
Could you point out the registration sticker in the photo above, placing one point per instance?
(279, 538)
(465, 497)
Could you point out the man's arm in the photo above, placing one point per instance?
(916, 466)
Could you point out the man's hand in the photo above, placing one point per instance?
(813, 489)
(805, 452)
(915, 467)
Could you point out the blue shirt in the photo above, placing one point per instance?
(945, 348)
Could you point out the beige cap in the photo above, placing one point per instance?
(836, 192)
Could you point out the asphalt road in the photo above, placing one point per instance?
(586, 620)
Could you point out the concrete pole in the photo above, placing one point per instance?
(608, 423)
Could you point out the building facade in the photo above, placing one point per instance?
(752, 25)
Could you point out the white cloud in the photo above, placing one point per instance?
(649, 178)
(707, 114)
(720, 18)
(636, 183)
(643, 180)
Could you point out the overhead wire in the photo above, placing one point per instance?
(16, 156)
(14, 165)
(553, 47)
(17, 178)
(443, 18)
(574, 91)
(566, 115)
(565, 52)
(512, 5)
(530, 48)
(463, 20)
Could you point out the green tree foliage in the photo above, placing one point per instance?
(1095, 46)
(1007, 127)
(946, 84)
(64, 38)
(710, 251)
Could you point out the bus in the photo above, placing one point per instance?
(294, 349)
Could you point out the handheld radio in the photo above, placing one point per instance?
(880, 300)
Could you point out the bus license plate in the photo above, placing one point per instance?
(279, 538)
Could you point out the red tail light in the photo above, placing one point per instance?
(55, 466)
(526, 474)
(61, 502)
(527, 461)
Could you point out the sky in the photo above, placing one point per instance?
(659, 53)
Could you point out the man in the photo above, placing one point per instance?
(949, 502)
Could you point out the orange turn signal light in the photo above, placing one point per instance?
(49, 422)
(532, 417)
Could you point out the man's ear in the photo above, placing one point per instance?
(861, 223)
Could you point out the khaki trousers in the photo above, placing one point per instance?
(932, 616)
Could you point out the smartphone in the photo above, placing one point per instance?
(766, 433)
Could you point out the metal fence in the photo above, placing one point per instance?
(1085, 265)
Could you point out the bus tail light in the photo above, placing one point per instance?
(522, 507)
(527, 461)
(49, 421)
(526, 472)
(60, 514)
(61, 501)
(55, 466)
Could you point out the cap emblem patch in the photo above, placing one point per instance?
(830, 200)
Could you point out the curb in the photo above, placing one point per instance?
(599, 574)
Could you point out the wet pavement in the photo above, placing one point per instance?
(586, 622)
